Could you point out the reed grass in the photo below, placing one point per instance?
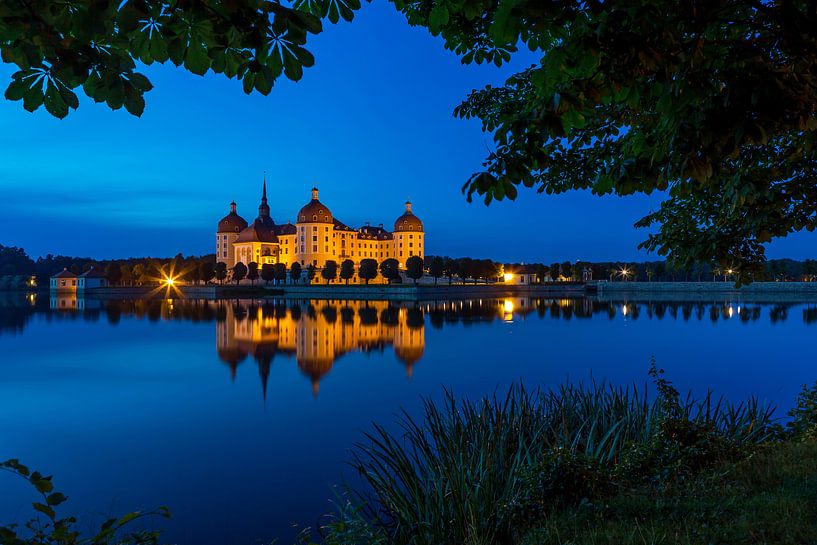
(462, 473)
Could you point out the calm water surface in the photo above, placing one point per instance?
(239, 415)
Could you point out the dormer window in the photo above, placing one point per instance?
(314, 217)
(303, 218)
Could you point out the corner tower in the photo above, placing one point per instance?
(315, 241)
(226, 234)
(409, 237)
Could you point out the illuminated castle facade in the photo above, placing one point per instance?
(315, 238)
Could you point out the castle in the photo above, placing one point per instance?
(315, 238)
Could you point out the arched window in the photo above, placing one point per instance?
(314, 217)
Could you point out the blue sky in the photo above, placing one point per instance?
(370, 124)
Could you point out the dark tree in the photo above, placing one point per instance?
(465, 268)
(207, 270)
(239, 272)
(279, 273)
(414, 268)
(113, 272)
(390, 269)
(295, 271)
(311, 272)
(347, 270)
(62, 47)
(252, 272)
(15, 261)
(268, 273)
(436, 268)
(220, 272)
(368, 269)
(600, 113)
(330, 270)
(451, 269)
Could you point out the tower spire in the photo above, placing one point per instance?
(263, 208)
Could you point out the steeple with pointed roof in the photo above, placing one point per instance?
(263, 208)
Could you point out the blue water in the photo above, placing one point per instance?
(131, 405)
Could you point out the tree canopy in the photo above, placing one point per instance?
(711, 103)
(99, 45)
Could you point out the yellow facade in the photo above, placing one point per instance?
(315, 238)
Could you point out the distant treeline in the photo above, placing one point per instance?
(656, 271)
(15, 262)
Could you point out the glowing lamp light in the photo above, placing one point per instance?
(170, 281)
(508, 277)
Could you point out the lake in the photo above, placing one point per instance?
(240, 415)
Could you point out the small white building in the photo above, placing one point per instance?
(520, 275)
(64, 282)
(92, 278)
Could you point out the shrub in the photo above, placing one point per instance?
(54, 530)
(803, 423)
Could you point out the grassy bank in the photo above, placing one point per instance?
(587, 465)
(768, 498)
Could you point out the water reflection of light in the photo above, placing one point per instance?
(730, 311)
(507, 307)
(624, 310)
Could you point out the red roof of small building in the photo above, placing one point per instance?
(65, 273)
(93, 272)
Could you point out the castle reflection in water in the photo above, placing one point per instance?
(317, 332)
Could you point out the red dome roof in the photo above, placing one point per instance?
(314, 211)
(232, 222)
(408, 221)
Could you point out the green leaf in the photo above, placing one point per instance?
(197, 60)
(54, 102)
(292, 67)
(56, 498)
(33, 98)
(45, 509)
(43, 485)
(437, 18)
(16, 90)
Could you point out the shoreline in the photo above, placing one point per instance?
(601, 290)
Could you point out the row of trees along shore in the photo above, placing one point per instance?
(15, 263)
